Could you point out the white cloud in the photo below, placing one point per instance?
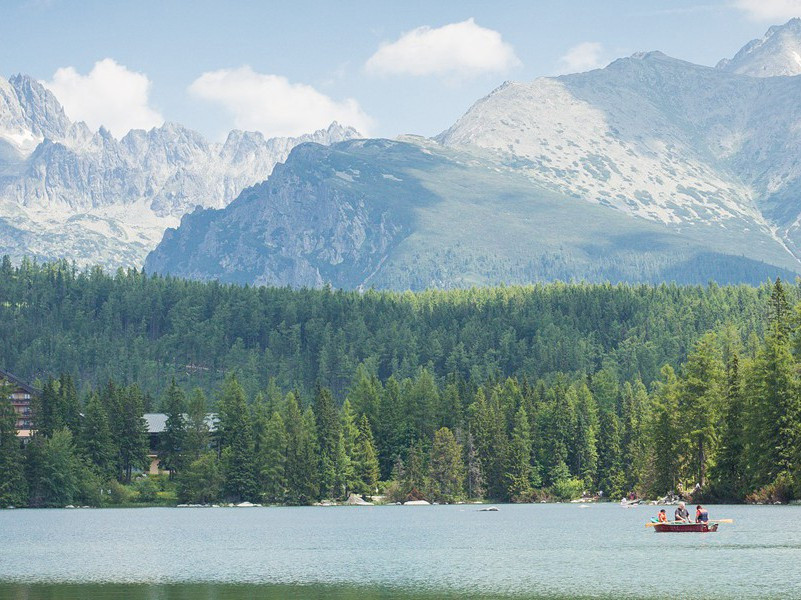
(770, 10)
(275, 106)
(462, 49)
(110, 95)
(583, 57)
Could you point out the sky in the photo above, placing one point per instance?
(387, 68)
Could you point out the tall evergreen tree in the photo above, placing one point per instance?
(328, 436)
(666, 434)
(519, 471)
(366, 459)
(610, 465)
(198, 436)
(272, 460)
(173, 439)
(95, 441)
(729, 470)
(446, 468)
(129, 429)
(13, 487)
(700, 402)
(301, 455)
(236, 441)
(585, 443)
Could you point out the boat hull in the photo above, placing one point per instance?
(685, 527)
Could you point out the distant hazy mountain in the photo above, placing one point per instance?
(66, 192)
(650, 169)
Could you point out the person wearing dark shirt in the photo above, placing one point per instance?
(701, 514)
(682, 515)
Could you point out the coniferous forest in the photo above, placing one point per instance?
(515, 394)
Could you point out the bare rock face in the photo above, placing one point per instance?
(92, 198)
(776, 54)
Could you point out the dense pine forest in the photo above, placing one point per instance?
(520, 393)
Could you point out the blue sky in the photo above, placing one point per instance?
(387, 67)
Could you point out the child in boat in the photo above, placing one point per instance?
(701, 514)
(663, 516)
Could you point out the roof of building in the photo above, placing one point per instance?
(18, 382)
(157, 422)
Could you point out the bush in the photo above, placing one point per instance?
(147, 489)
(119, 494)
(90, 487)
(567, 489)
(781, 490)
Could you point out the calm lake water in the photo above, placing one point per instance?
(393, 552)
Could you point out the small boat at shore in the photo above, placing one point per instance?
(685, 527)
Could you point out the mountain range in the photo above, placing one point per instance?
(68, 192)
(650, 169)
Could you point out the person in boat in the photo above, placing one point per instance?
(662, 516)
(701, 514)
(682, 515)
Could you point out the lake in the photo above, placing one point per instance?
(395, 552)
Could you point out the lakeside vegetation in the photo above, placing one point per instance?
(514, 394)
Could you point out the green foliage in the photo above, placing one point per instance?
(146, 489)
(446, 468)
(201, 481)
(567, 489)
(236, 442)
(95, 442)
(491, 393)
(173, 439)
(519, 471)
(13, 486)
(365, 459)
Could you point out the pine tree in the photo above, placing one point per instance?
(236, 442)
(366, 460)
(665, 434)
(365, 393)
(610, 466)
(56, 480)
(273, 459)
(475, 476)
(729, 470)
(413, 482)
(13, 487)
(519, 472)
(301, 454)
(69, 405)
(173, 438)
(700, 401)
(328, 437)
(446, 468)
(585, 452)
(390, 435)
(772, 416)
(129, 429)
(198, 435)
(95, 441)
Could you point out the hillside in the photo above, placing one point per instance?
(651, 169)
(148, 329)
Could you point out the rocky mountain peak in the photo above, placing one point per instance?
(777, 53)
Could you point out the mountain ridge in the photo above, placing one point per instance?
(106, 200)
(652, 168)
